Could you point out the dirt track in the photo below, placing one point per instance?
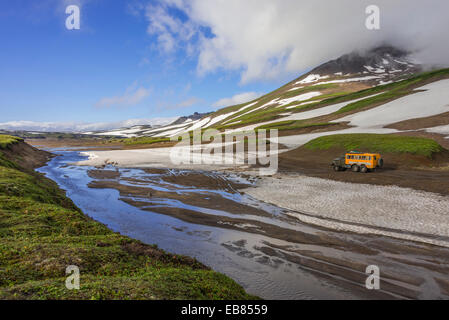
(403, 171)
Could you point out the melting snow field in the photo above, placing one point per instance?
(400, 208)
(301, 97)
(367, 78)
(178, 157)
(128, 133)
(440, 130)
(311, 79)
(321, 111)
(433, 101)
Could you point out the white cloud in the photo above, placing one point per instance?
(269, 38)
(171, 31)
(81, 126)
(132, 96)
(236, 99)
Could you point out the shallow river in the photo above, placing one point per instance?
(269, 254)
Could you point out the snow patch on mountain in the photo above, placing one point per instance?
(311, 78)
(432, 101)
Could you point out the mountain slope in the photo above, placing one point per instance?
(337, 78)
(366, 92)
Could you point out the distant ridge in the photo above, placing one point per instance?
(195, 116)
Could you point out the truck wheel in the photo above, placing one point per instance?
(363, 169)
(381, 163)
(355, 168)
(336, 168)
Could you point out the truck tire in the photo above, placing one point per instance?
(336, 168)
(355, 168)
(363, 169)
(381, 163)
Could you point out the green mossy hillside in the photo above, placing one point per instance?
(383, 143)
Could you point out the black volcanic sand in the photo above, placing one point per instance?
(409, 270)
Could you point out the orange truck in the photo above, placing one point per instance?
(358, 162)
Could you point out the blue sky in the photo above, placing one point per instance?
(146, 59)
(51, 74)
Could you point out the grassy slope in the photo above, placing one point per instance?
(42, 232)
(383, 143)
(293, 125)
(6, 141)
(141, 140)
